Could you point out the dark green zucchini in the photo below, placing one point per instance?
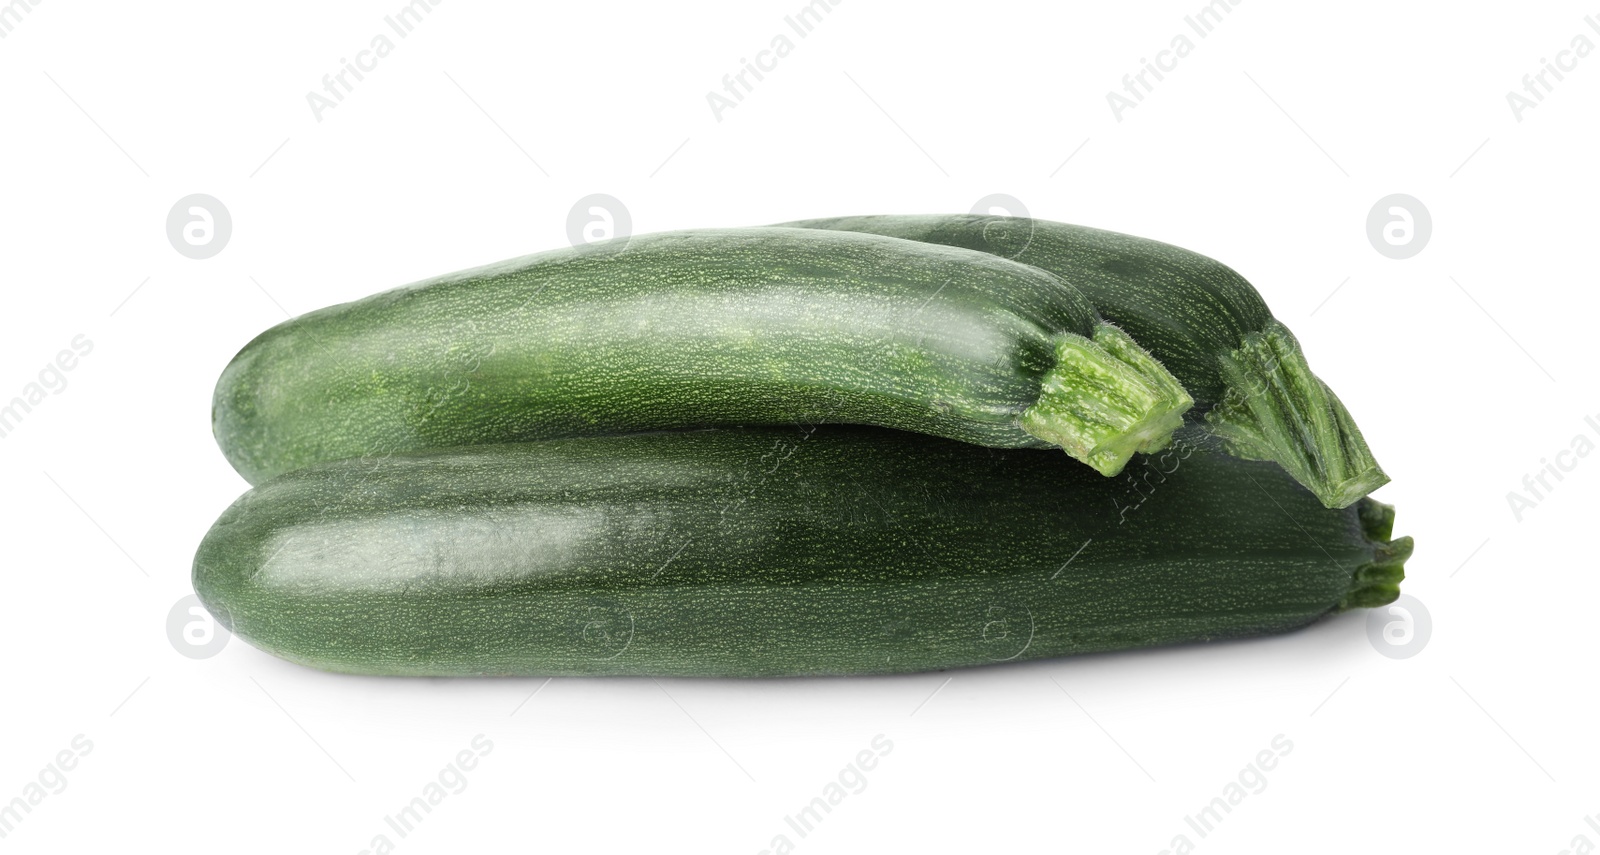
(1253, 389)
(691, 329)
(773, 551)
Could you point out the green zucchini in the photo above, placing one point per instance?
(1254, 392)
(773, 551)
(694, 329)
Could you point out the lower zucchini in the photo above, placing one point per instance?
(772, 551)
(1252, 387)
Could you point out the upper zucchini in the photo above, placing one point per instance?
(700, 328)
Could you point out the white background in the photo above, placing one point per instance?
(1266, 147)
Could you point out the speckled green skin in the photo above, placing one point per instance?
(773, 551)
(691, 329)
(1201, 319)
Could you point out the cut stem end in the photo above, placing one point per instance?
(1276, 409)
(1105, 399)
(1377, 583)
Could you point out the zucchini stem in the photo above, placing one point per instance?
(1276, 409)
(1105, 399)
(1377, 583)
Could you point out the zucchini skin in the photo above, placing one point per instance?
(693, 329)
(1206, 323)
(771, 552)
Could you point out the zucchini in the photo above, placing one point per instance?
(694, 329)
(1254, 392)
(772, 551)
